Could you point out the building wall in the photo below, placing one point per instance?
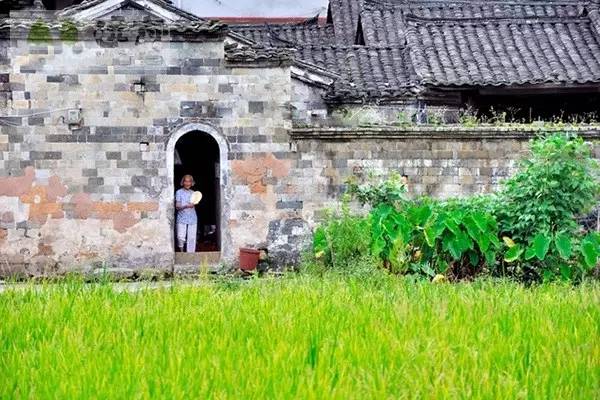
(101, 194)
(79, 197)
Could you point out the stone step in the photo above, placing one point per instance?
(198, 259)
(194, 264)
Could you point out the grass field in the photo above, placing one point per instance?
(303, 337)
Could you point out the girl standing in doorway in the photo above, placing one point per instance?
(187, 220)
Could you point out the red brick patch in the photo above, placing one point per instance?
(15, 186)
(123, 215)
(142, 207)
(55, 189)
(254, 171)
(107, 210)
(40, 206)
(124, 220)
(44, 202)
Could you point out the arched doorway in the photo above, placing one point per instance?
(198, 154)
(209, 137)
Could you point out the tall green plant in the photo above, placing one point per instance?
(342, 238)
(429, 237)
(376, 192)
(555, 183)
(538, 207)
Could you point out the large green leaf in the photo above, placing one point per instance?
(433, 232)
(420, 215)
(458, 244)
(566, 272)
(481, 220)
(530, 253)
(563, 245)
(474, 259)
(407, 231)
(541, 245)
(381, 212)
(490, 257)
(320, 240)
(451, 224)
(483, 242)
(513, 253)
(430, 235)
(472, 228)
(589, 250)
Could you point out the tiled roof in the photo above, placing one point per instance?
(240, 54)
(491, 8)
(287, 35)
(115, 30)
(384, 21)
(345, 14)
(366, 72)
(165, 4)
(410, 45)
(504, 51)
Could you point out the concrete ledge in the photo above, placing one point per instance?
(523, 132)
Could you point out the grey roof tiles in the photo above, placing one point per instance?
(409, 45)
(390, 49)
(504, 51)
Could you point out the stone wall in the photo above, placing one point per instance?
(82, 194)
(440, 162)
(79, 195)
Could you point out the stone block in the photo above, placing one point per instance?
(290, 205)
(45, 155)
(256, 107)
(113, 155)
(226, 88)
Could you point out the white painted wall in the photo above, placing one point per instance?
(255, 8)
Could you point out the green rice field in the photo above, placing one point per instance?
(301, 338)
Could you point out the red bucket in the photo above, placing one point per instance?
(249, 259)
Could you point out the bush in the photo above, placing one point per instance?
(391, 191)
(554, 185)
(429, 237)
(342, 239)
(537, 211)
(527, 231)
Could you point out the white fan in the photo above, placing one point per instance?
(196, 198)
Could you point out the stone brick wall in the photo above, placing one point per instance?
(79, 195)
(441, 162)
(101, 192)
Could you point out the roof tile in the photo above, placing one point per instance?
(476, 52)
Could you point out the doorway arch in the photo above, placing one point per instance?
(205, 148)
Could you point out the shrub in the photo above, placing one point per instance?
(391, 191)
(548, 256)
(341, 239)
(429, 238)
(534, 214)
(39, 32)
(556, 183)
(537, 211)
